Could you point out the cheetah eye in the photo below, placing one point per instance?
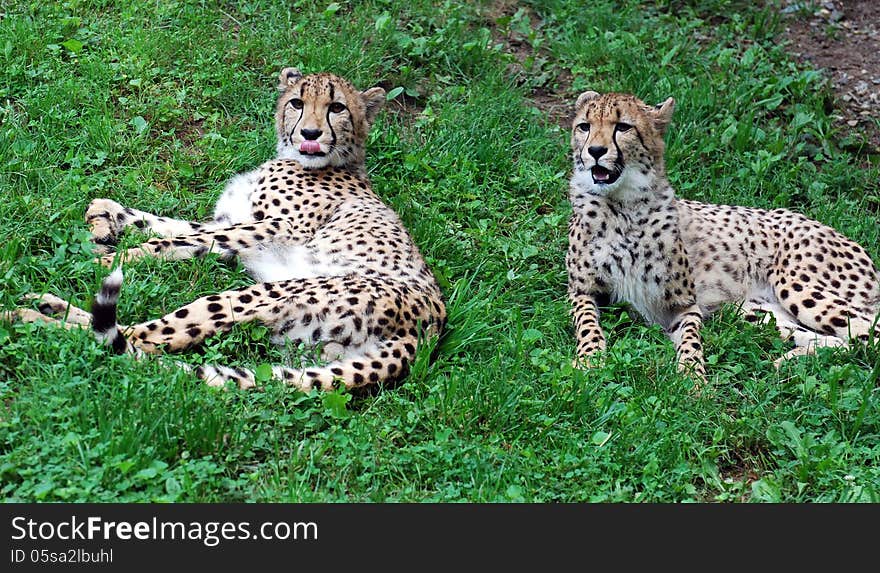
(623, 127)
(584, 126)
(337, 107)
(296, 103)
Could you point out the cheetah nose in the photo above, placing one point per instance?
(597, 151)
(311, 134)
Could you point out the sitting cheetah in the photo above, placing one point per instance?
(675, 261)
(335, 266)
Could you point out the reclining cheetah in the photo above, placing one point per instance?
(335, 266)
(674, 261)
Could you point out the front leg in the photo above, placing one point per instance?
(588, 331)
(225, 241)
(583, 287)
(684, 330)
(107, 218)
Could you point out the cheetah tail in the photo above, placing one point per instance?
(104, 313)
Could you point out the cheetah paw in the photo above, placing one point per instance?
(99, 249)
(823, 342)
(332, 351)
(102, 218)
(26, 315)
(586, 362)
(107, 260)
(697, 373)
(48, 304)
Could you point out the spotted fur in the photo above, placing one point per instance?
(334, 265)
(675, 261)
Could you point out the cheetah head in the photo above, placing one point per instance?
(617, 142)
(321, 119)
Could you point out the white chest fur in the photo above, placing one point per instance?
(234, 206)
(278, 260)
(631, 254)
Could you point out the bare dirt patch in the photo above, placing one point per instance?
(842, 37)
(548, 85)
(190, 132)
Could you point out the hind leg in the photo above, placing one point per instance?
(30, 315)
(760, 308)
(51, 305)
(821, 311)
(52, 310)
(343, 310)
(189, 325)
(371, 325)
(827, 282)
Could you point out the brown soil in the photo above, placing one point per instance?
(190, 132)
(842, 37)
(549, 95)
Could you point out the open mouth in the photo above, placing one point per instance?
(312, 148)
(603, 175)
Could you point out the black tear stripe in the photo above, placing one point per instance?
(299, 119)
(302, 96)
(618, 162)
(330, 125)
(642, 141)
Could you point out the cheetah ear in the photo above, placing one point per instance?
(662, 114)
(374, 100)
(584, 98)
(288, 77)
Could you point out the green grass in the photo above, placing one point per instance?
(157, 106)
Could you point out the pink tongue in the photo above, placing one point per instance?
(310, 146)
(600, 174)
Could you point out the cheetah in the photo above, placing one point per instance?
(334, 266)
(675, 261)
